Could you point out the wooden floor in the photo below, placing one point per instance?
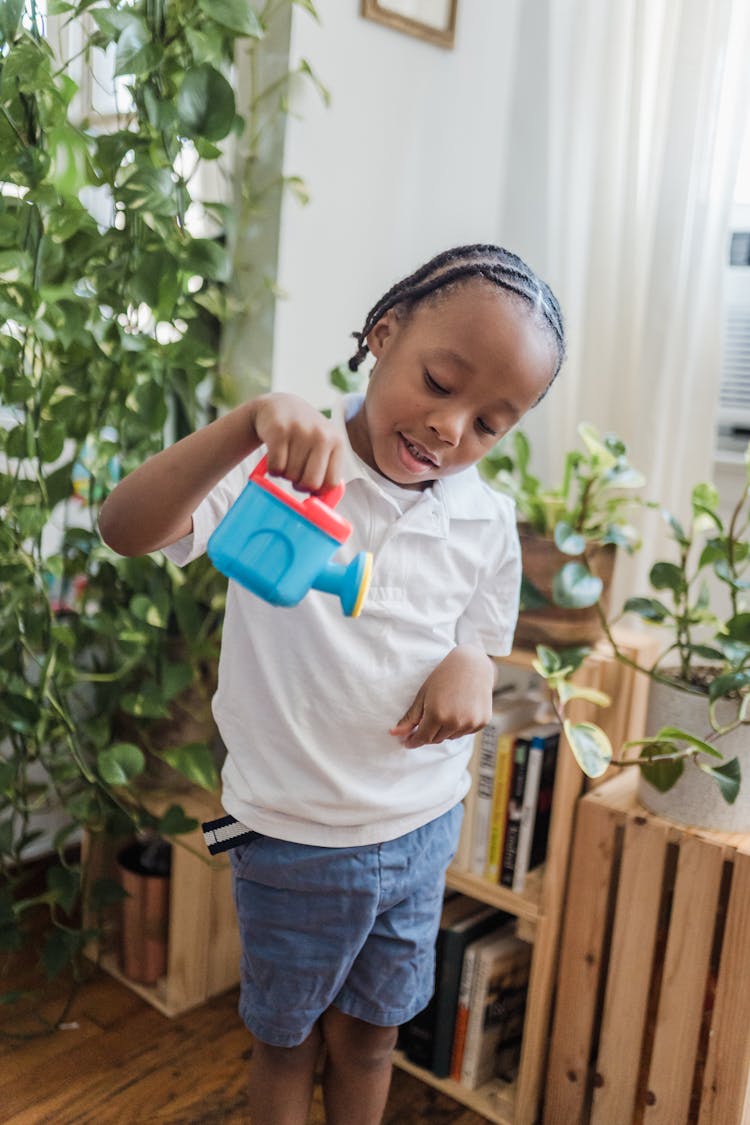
(117, 1061)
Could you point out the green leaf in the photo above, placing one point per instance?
(237, 15)
(70, 159)
(728, 777)
(10, 17)
(591, 747)
(531, 597)
(194, 761)
(662, 775)
(575, 587)
(669, 736)
(106, 892)
(120, 763)
(175, 678)
(175, 822)
(149, 189)
(729, 682)
(205, 103)
(650, 609)
(549, 661)
(738, 628)
(59, 950)
(567, 540)
(667, 576)
(154, 611)
(64, 885)
(567, 691)
(135, 52)
(148, 702)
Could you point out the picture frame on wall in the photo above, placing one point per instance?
(433, 20)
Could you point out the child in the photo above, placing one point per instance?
(348, 740)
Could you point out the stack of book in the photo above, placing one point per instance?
(508, 808)
(471, 1031)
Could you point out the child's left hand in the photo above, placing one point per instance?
(454, 700)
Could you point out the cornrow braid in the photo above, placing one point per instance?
(494, 264)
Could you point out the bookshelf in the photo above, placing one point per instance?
(539, 908)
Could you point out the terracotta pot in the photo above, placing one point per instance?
(145, 912)
(554, 625)
(695, 799)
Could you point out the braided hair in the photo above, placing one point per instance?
(457, 266)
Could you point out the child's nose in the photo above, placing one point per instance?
(446, 426)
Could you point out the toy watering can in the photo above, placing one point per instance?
(279, 547)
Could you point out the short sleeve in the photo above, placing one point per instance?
(209, 514)
(490, 619)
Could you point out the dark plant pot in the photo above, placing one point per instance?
(143, 870)
(552, 624)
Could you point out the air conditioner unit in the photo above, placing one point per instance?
(734, 395)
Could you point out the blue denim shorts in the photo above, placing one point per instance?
(350, 927)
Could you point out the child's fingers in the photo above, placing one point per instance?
(409, 720)
(322, 467)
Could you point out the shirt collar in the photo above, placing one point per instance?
(464, 495)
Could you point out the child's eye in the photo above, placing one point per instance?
(433, 384)
(485, 428)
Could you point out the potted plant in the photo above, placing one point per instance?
(109, 331)
(696, 752)
(569, 532)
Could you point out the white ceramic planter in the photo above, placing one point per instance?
(696, 799)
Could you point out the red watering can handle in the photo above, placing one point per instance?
(329, 496)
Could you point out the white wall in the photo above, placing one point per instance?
(406, 161)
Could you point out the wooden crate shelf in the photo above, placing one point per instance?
(652, 1019)
(203, 956)
(539, 909)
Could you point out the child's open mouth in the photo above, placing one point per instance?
(414, 457)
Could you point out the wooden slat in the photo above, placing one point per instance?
(686, 963)
(224, 933)
(725, 1096)
(189, 927)
(580, 963)
(631, 961)
(568, 785)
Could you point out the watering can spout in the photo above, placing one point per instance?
(349, 582)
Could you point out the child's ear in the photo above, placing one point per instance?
(381, 332)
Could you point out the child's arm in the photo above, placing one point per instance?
(455, 699)
(153, 505)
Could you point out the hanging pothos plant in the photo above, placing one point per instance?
(111, 305)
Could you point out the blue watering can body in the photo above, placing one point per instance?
(279, 547)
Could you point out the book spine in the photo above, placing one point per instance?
(503, 770)
(543, 817)
(462, 1013)
(528, 812)
(475, 1024)
(483, 806)
(515, 804)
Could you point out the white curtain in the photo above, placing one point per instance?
(646, 103)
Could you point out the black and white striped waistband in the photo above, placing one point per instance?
(225, 833)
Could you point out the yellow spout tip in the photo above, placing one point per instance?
(364, 586)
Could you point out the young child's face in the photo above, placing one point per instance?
(448, 382)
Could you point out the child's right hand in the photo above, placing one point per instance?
(302, 443)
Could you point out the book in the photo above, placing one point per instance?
(540, 776)
(496, 1009)
(461, 1021)
(457, 934)
(540, 835)
(416, 1038)
(499, 813)
(521, 747)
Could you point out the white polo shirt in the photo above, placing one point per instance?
(306, 696)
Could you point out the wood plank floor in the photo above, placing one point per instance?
(120, 1062)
